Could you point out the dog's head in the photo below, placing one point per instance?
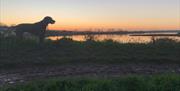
(48, 19)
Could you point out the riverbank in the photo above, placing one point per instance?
(27, 53)
(24, 61)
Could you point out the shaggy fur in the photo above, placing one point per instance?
(37, 29)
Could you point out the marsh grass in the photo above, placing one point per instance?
(128, 83)
(17, 52)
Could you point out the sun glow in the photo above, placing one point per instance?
(79, 14)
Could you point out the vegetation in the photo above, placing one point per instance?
(25, 52)
(129, 83)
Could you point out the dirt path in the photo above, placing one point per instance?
(26, 74)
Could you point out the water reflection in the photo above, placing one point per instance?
(117, 38)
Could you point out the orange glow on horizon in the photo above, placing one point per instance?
(125, 28)
(125, 25)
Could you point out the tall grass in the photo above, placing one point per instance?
(15, 52)
(129, 83)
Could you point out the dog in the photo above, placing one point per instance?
(38, 29)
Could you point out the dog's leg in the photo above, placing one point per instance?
(41, 37)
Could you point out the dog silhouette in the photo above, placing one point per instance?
(38, 29)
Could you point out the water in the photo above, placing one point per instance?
(117, 38)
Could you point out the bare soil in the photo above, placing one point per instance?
(25, 74)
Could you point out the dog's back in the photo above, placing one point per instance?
(31, 28)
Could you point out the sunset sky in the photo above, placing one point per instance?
(82, 14)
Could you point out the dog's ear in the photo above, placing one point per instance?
(48, 19)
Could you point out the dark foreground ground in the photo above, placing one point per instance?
(23, 61)
(24, 75)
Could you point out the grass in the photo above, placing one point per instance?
(24, 52)
(15, 52)
(128, 83)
